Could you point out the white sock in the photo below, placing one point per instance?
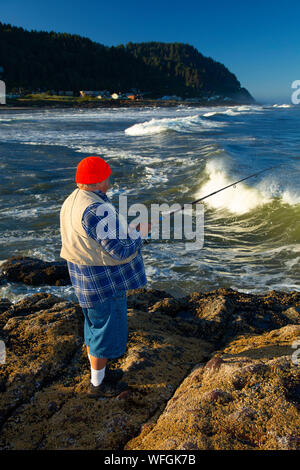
(97, 376)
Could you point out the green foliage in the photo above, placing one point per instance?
(60, 61)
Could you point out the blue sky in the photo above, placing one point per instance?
(259, 41)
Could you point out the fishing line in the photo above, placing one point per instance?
(214, 192)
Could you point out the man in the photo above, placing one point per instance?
(103, 265)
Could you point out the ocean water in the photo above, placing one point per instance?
(163, 155)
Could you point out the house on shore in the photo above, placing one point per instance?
(104, 94)
(124, 96)
(95, 93)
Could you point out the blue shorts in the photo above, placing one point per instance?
(106, 328)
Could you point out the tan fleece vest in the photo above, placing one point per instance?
(77, 247)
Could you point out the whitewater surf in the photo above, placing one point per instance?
(163, 155)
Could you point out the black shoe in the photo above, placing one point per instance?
(106, 389)
(112, 376)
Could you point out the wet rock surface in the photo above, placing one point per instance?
(247, 399)
(34, 272)
(144, 299)
(208, 371)
(43, 401)
(224, 313)
(4, 305)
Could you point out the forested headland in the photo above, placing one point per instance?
(39, 60)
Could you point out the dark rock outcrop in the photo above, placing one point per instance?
(5, 304)
(244, 401)
(144, 297)
(215, 370)
(43, 401)
(224, 313)
(35, 272)
(28, 305)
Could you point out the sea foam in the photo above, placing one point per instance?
(234, 111)
(238, 200)
(282, 105)
(245, 196)
(180, 124)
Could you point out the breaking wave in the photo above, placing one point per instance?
(180, 124)
(245, 197)
(234, 111)
(282, 105)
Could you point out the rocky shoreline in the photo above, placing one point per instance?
(50, 104)
(214, 370)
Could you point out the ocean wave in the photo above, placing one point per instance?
(250, 109)
(15, 293)
(242, 198)
(228, 112)
(233, 111)
(290, 198)
(282, 105)
(153, 177)
(238, 201)
(180, 124)
(29, 212)
(292, 262)
(111, 154)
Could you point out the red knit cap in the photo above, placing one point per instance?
(92, 170)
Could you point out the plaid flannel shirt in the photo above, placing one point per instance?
(94, 284)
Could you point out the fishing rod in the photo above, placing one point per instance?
(222, 189)
(214, 192)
